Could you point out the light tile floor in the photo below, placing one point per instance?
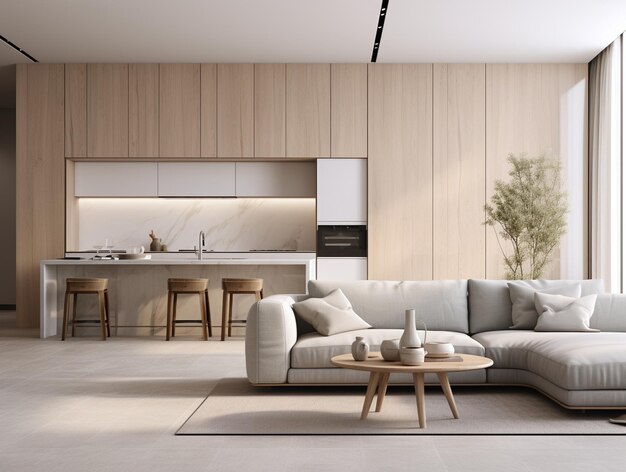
(87, 405)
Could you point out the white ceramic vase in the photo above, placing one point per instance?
(360, 349)
(410, 337)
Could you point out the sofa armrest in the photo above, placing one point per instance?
(270, 334)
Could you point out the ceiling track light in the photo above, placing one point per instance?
(379, 29)
(18, 49)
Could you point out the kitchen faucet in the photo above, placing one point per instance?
(200, 244)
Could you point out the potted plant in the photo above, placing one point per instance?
(529, 211)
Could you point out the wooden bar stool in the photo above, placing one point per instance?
(235, 287)
(84, 286)
(190, 286)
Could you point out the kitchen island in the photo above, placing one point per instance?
(138, 288)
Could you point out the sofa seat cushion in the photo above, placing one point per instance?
(573, 361)
(313, 351)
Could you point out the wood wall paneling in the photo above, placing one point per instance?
(235, 110)
(536, 109)
(458, 171)
(179, 110)
(269, 110)
(107, 110)
(308, 110)
(348, 133)
(24, 260)
(76, 110)
(400, 188)
(208, 110)
(40, 171)
(143, 110)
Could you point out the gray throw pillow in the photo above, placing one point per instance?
(523, 311)
(560, 313)
(330, 315)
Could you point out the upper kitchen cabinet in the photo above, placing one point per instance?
(308, 110)
(235, 110)
(143, 110)
(348, 133)
(275, 179)
(107, 110)
(269, 110)
(76, 110)
(179, 110)
(115, 179)
(208, 110)
(196, 179)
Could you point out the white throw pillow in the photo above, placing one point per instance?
(330, 315)
(523, 312)
(560, 313)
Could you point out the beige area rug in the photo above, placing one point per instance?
(235, 407)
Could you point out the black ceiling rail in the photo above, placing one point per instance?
(384, 8)
(18, 49)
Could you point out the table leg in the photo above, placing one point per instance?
(382, 390)
(445, 386)
(418, 381)
(369, 395)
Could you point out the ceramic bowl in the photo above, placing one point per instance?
(412, 355)
(390, 350)
(439, 349)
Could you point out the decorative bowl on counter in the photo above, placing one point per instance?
(128, 256)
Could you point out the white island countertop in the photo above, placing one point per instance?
(297, 269)
(187, 258)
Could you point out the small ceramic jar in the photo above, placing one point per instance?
(412, 355)
(360, 349)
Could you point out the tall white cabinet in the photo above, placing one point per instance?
(342, 201)
(342, 191)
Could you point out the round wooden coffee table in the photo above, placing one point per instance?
(380, 370)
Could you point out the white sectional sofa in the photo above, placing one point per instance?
(577, 369)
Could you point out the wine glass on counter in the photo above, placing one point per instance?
(108, 247)
(97, 247)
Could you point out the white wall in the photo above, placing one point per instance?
(7, 206)
(230, 224)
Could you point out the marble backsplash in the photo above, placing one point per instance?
(230, 224)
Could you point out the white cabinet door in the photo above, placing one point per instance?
(276, 179)
(115, 179)
(196, 179)
(342, 268)
(342, 191)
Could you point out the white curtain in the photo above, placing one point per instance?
(605, 166)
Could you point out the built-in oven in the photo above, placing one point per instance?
(342, 241)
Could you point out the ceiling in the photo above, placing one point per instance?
(307, 30)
